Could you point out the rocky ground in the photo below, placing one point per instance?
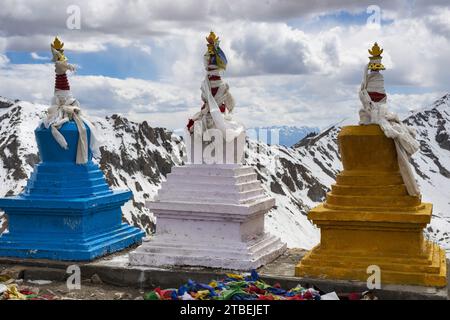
(90, 289)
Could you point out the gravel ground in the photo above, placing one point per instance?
(90, 289)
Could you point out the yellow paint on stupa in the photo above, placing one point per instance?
(369, 219)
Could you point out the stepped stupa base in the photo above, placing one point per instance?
(391, 241)
(369, 219)
(239, 255)
(70, 249)
(210, 216)
(72, 230)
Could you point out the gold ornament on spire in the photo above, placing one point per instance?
(57, 44)
(212, 38)
(58, 50)
(213, 41)
(375, 58)
(217, 56)
(376, 51)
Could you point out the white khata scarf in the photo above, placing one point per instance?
(223, 121)
(64, 109)
(211, 116)
(403, 135)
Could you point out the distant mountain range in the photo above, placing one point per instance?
(283, 135)
(138, 157)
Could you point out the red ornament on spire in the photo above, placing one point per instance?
(61, 82)
(61, 65)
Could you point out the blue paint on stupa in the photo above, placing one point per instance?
(67, 211)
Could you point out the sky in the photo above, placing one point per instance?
(290, 62)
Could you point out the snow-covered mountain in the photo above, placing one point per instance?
(138, 157)
(432, 164)
(283, 135)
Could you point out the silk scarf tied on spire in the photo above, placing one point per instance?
(218, 103)
(65, 108)
(374, 110)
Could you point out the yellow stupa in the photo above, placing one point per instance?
(369, 219)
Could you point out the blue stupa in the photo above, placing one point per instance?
(67, 210)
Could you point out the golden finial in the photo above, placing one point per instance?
(57, 44)
(376, 51)
(375, 58)
(212, 38)
(57, 50)
(216, 54)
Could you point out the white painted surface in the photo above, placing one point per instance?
(210, 216)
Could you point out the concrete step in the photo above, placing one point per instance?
(373, 201)
(213, 170)
(390, 190)
(180, 178)
(223, 196)
(382, 179)
(194, 186)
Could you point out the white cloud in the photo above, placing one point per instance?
(106, 21)
(35, 56)
(439, 21)
(3, 60)
(99, 96)
(146, 49)
(278, 73)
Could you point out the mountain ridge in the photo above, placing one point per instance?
(285, 135)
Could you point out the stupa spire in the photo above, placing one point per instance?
(61, 66)
(375, 111)
(65, 108)
(218, 103)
